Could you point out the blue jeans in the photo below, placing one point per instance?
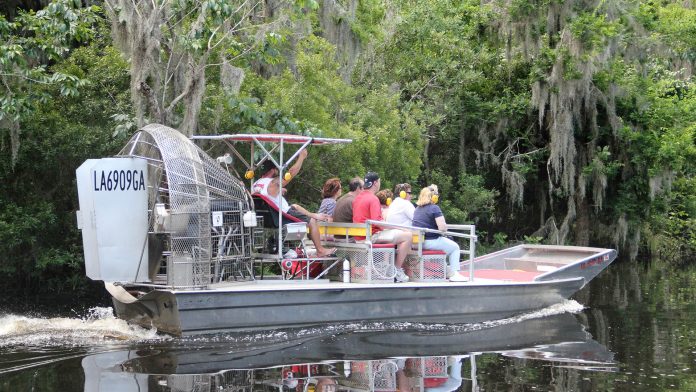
(448, 246)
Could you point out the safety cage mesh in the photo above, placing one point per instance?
(203, 240)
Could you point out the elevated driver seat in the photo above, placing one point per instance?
(265, 207)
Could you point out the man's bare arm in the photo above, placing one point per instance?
(295, 168)
(319, 217)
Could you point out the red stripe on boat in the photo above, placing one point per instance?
(273, 206)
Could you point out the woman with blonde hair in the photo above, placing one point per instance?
(429, 216)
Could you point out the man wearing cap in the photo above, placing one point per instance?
(366, 206)
(268, 185)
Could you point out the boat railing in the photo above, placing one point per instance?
(344, 234)
(452, 231)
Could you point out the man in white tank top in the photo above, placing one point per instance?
(268, 185)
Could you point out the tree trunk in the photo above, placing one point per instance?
(462, 147)
(582, 221)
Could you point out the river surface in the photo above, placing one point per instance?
(632, 329)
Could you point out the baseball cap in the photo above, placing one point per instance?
(370, 179)
(267, 166)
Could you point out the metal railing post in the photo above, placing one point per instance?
(472, 253)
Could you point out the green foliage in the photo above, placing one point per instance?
(39, 241)
(602, 163)
(32, 40)
(675, 25)
(532, 239)
(445, 97)
(315, 100)
(593, 30)
(464, 199)
(368, 18)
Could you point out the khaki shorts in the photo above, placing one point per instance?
(386, 236)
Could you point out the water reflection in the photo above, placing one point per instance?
(391, 357)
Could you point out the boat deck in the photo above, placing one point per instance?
(482, 277)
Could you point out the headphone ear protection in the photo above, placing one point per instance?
(402, 190)
(389, 201)
(436, 195)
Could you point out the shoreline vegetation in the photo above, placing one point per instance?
(562, 122)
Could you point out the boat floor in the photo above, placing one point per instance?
(481, 277)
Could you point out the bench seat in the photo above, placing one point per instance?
(431, 252)
(426, 266)
(349, 230)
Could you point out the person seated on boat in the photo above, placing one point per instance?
(401, 209)
(269, 185)
(324, 384)
(428, 215)
(344, 206)
(453, 381)
(384, 197)
(366, 206)
(330, 192)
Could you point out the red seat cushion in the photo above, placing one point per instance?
(432, 382)
(273, 206)
(433, 252)
(428, 252)
(383, 246)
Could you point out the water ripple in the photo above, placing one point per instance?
(98, 326)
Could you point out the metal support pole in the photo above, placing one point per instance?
(279, 203)
(474, 383)
(472, 253)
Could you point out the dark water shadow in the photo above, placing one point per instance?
(343, 357)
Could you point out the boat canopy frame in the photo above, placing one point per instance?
(279, 141)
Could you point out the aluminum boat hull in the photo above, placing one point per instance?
(277, 306)
(268, 304)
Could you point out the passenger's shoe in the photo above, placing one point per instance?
(457, 277)
(400, 276)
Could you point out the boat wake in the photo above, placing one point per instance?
(568, 306)
(30, 342)
(298, 334)
(98, 326)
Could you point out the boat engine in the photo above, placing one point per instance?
(197, 220)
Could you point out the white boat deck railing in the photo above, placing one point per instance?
(452, 232)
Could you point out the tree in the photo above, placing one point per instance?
(171, 45)
(27, 45)
(574, 105)
(39, 240)
(312, 98)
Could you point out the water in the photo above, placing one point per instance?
(632, 329)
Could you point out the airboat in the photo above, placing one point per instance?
(182, 245)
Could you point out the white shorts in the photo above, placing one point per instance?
(386, 236)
